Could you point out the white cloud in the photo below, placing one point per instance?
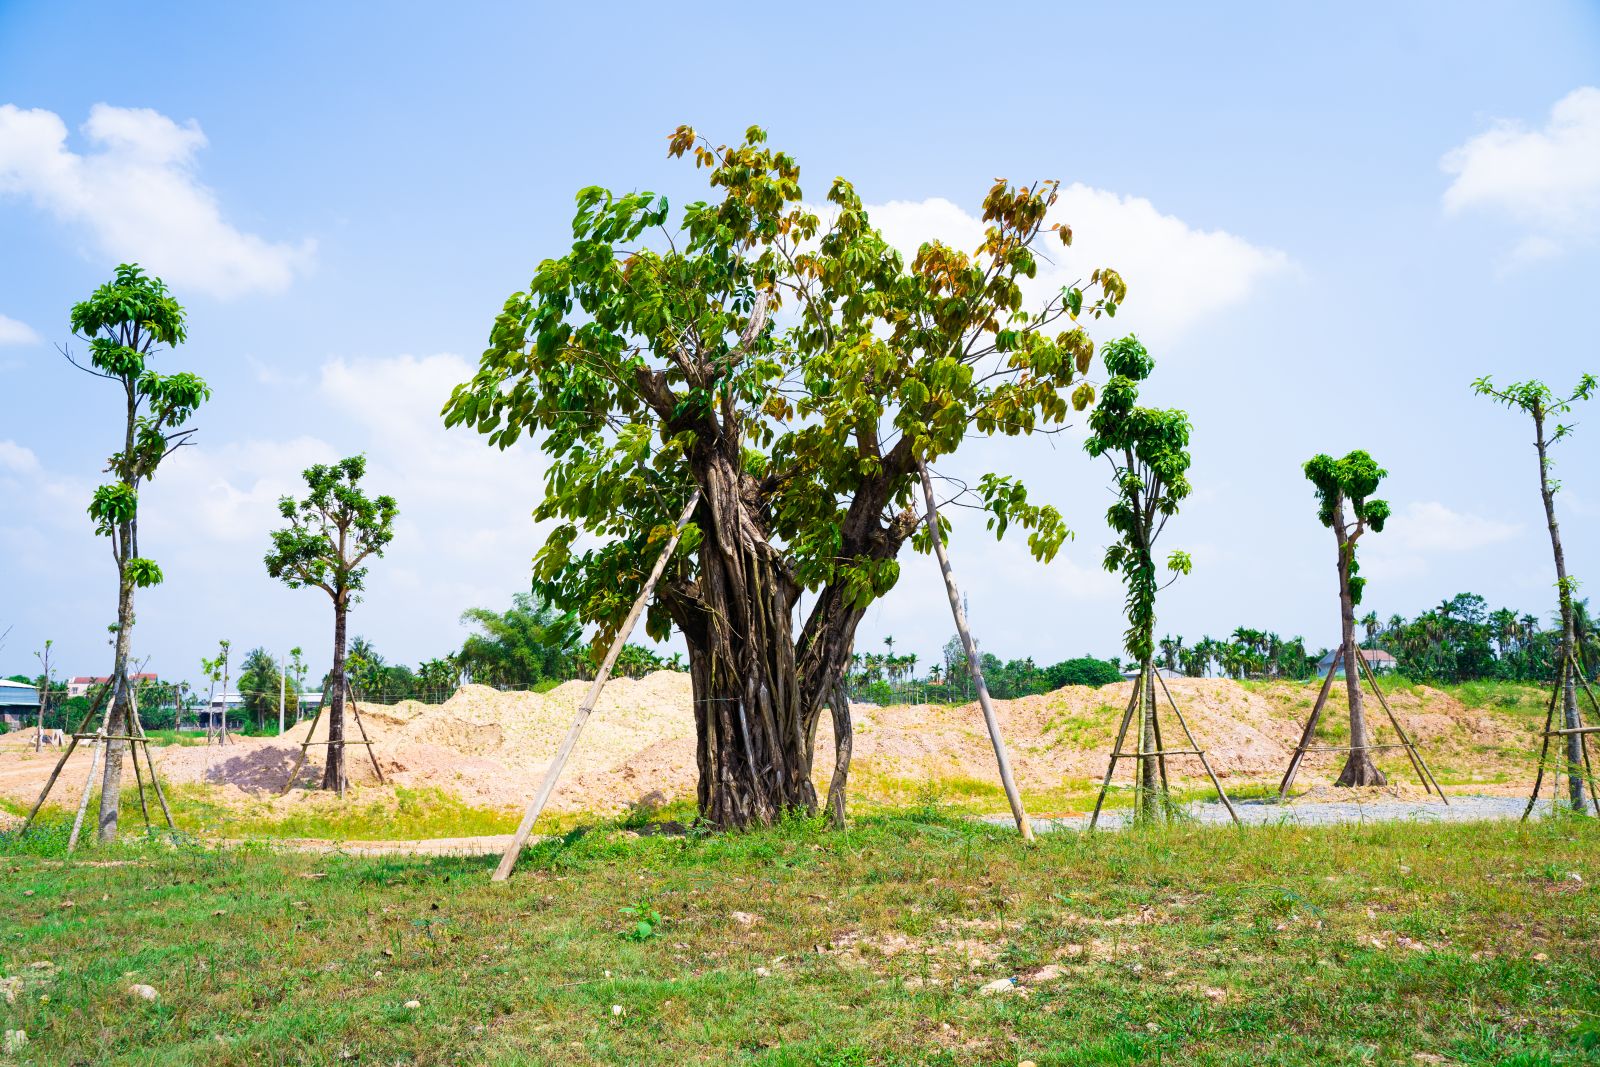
(1546, 180)
(1426, 529)
(137, 194)
(1176, 274)
(16, 459)
(465, 536)
(13, 332)
(1431, 527)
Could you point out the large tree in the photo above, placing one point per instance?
(788, 363)
(330, 536)
(1148, 449)
(1346, 506)
(1542, 404)
(125, 323)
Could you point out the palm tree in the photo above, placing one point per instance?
(1369, 622)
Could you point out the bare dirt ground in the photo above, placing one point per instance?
(490, 748)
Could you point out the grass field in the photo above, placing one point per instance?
(1353, 945)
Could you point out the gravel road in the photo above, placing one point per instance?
(1320, 813)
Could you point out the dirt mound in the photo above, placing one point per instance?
(491, 748)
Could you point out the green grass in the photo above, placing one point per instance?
(1280, 945)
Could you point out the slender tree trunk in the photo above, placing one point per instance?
(1150, 798)
(333, 775)
(1569, 636)
(117, 723)
(1358, 768)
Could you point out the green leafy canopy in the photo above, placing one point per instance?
(123, 322)
(798, 338)
(332, 531)
(1148, 449)
(1351, 480)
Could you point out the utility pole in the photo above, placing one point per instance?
(283, 681)
(44, 695)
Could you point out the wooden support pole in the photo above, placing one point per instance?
(155, 780)
(83, 805)
(1310, 730)
(1582, 731)
(1418, 762)
(61, 763)
(1116, 754)
(592, 697)
(960, 615)
(304, 745)
(1204, 762)
(1544, 747)
(356, 710)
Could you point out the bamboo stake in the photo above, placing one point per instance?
(83, 805)
(1544, 747)
(304, 745)
(1204, 762)
(62, 762)
(1116, 754)
(94, 762)
(1311, 729)
(536, 807)
(1418, 762)
(155, 779)
(1582, 731)
(365, 740)
(972, 659)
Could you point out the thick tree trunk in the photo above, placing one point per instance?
(333, 774)
(117, 723)
(1358, 768)
(1569, 637)
(753, 728)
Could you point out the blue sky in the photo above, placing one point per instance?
(1331, 219)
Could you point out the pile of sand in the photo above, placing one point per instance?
(491, 748)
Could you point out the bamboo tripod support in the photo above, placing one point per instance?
(305, 746)
(1419, 764)
(1137, 701)
(520, 840)
(960, 615)
(138, 742)
(1568, 672)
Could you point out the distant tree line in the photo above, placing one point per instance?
(887, 678)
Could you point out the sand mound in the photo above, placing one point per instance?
(491, 748)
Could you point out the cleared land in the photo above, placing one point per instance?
(464, 767)
(1387, 944)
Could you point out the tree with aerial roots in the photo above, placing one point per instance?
(1148, 449)
(1540, 403)
(1347, 507)
(652, 364)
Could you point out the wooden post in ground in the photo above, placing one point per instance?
(365, 740)
(531, 815)
(960, 616)
(1569, 670)
(1418, 763)
(66, 754)
(1116, 751)
(1310, 731)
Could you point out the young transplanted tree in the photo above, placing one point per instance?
(1344, 492)
(1148, 449)
(1538, 401)
(331, 534)
(124, 323)
(651, 363)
